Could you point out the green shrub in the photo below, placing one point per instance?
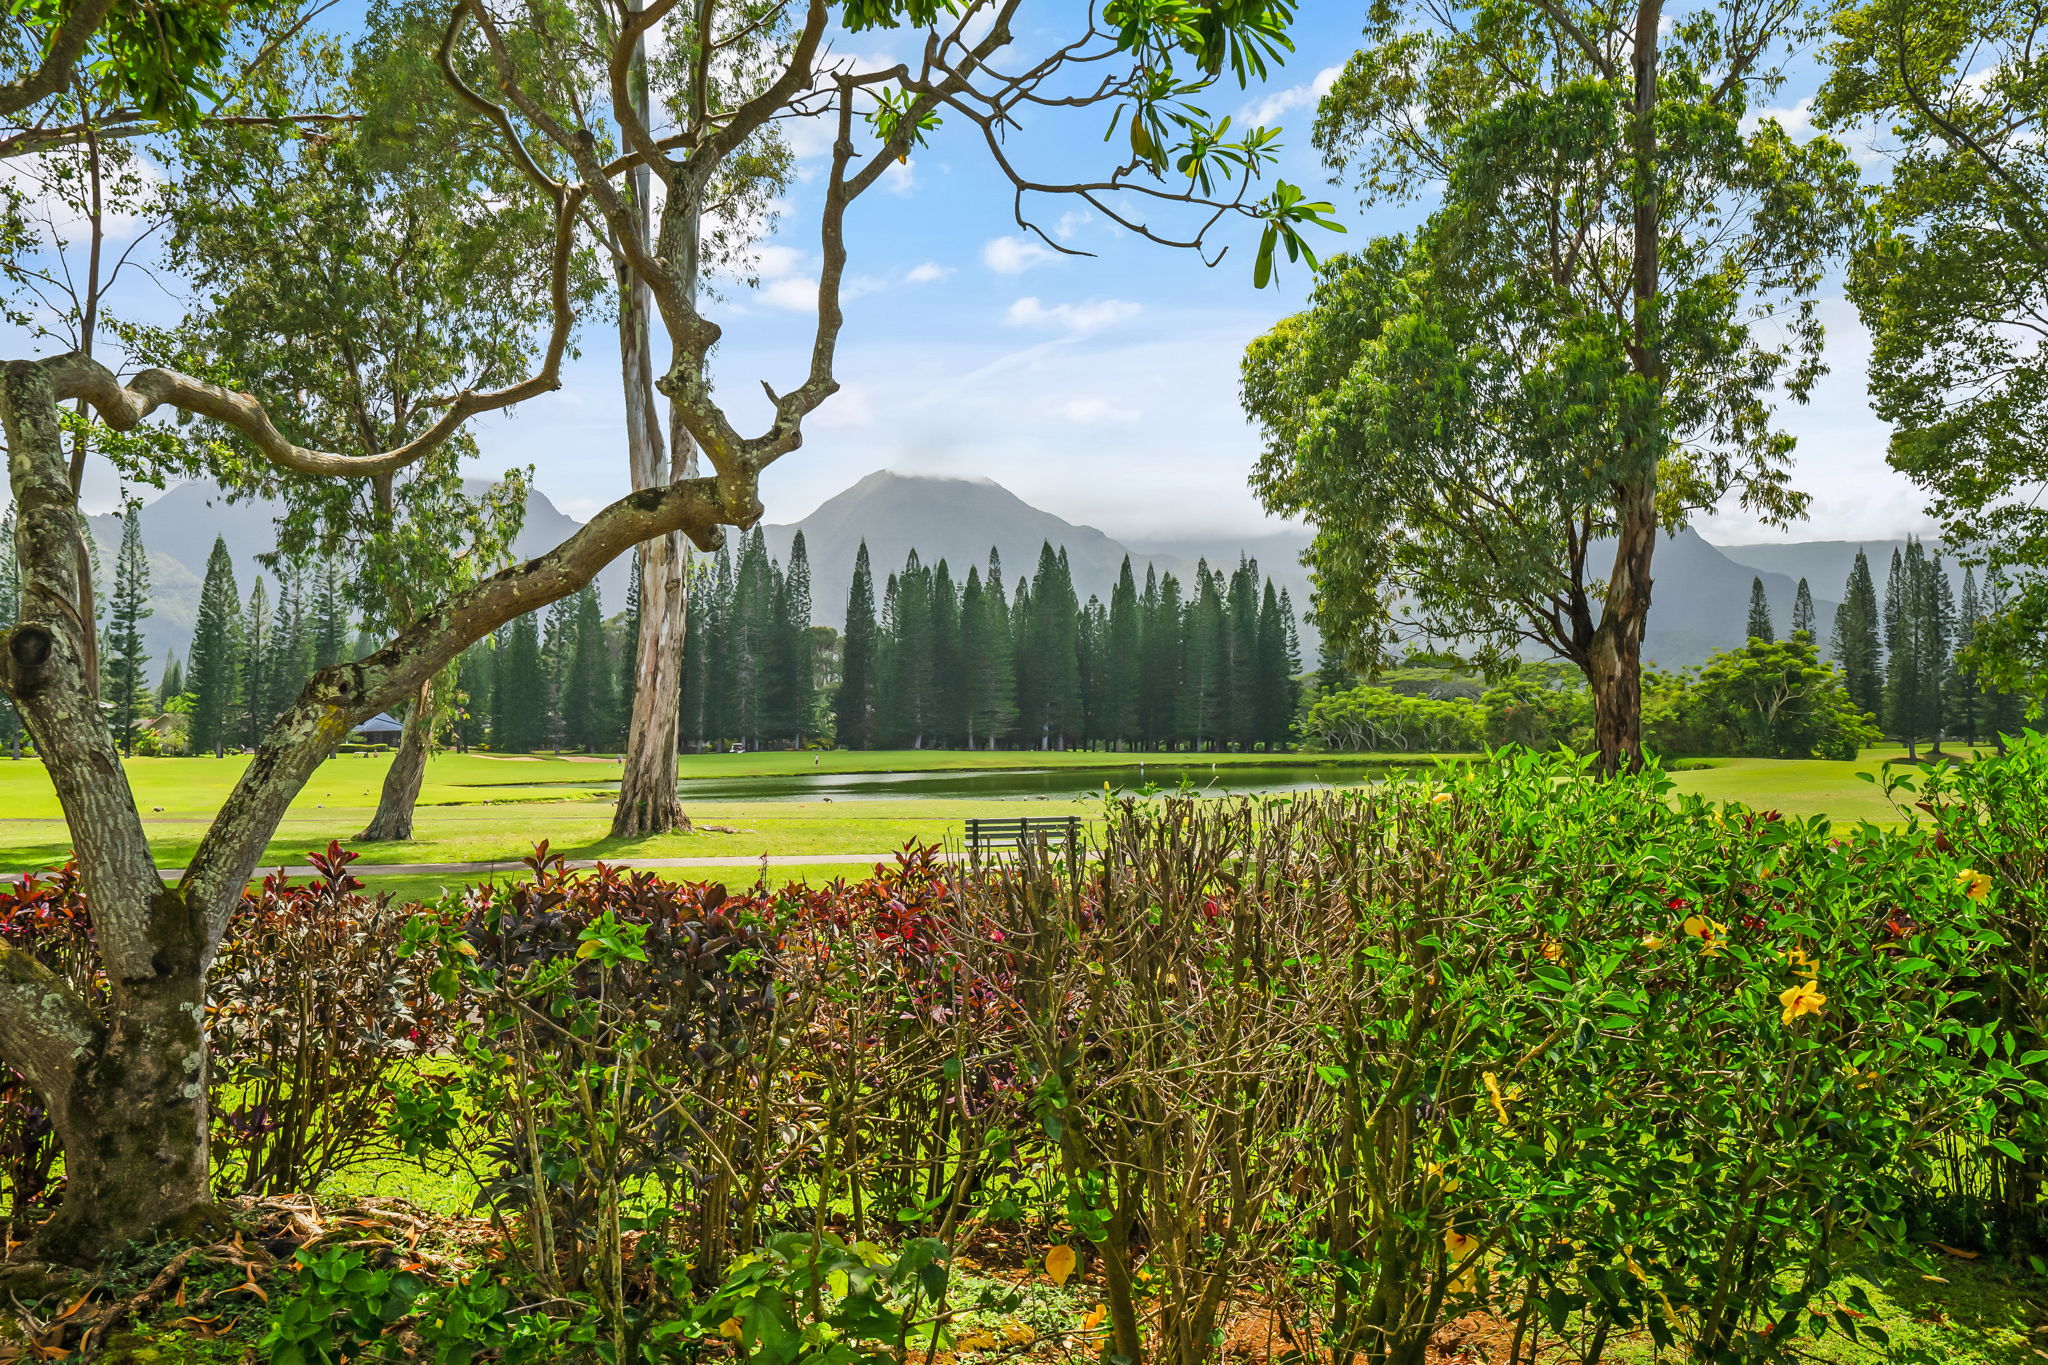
(1378, 720)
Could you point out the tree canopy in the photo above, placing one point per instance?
(1490, 419)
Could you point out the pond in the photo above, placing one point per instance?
(1022, 784)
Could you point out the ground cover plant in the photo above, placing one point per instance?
(1614, 1074)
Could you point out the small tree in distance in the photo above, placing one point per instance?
(1760, 627)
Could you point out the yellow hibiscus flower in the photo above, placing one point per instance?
(1804, 998)
(1976, 885)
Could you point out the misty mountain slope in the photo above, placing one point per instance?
(180, 524)
(1699, 601)
(1825, 564)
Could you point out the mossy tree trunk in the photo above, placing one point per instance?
(125, 1078)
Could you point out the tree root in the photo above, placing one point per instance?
(51, 1312)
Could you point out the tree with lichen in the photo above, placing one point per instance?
(119, 1078)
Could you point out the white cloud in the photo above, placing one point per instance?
(1864, 140)
(929, 272)
(1070, 224)
(797, 293)
(1090, 412)
(1268, 108)
(901, 178)
(1073, 317)
(1015, 255)
(775, 262)
(850, 409)
(1796, 119)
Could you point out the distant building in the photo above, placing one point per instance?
(379, 729)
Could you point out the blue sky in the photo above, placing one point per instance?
(1101, 388)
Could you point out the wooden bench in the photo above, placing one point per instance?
(983, 835)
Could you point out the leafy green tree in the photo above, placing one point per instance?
(362, 279)
(854, 708)
(124, 679)
(1953, 279)
(1857, 648)
(1760, 627)
(1776, 699)
(1490, 422)
(216, 655)
(111, 70)
(2004, 710)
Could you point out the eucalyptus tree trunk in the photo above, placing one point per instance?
(401, 790)
(1615, 665)
(648, 800)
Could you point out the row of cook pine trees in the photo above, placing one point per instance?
(926, 661)
(934, 662)
(1905, 656)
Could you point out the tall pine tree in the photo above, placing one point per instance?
(1204, 699)
(1760, 613)
(1241, 664)
(1965, 697)
(589, 707)
(1123, 661)
(519, 704)
(854, 707)
(986, 658)
(1856, 646)
(124, 679)
(216, 669)
(794, 654)
(1802, 610)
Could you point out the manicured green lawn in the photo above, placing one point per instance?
(485, 808)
